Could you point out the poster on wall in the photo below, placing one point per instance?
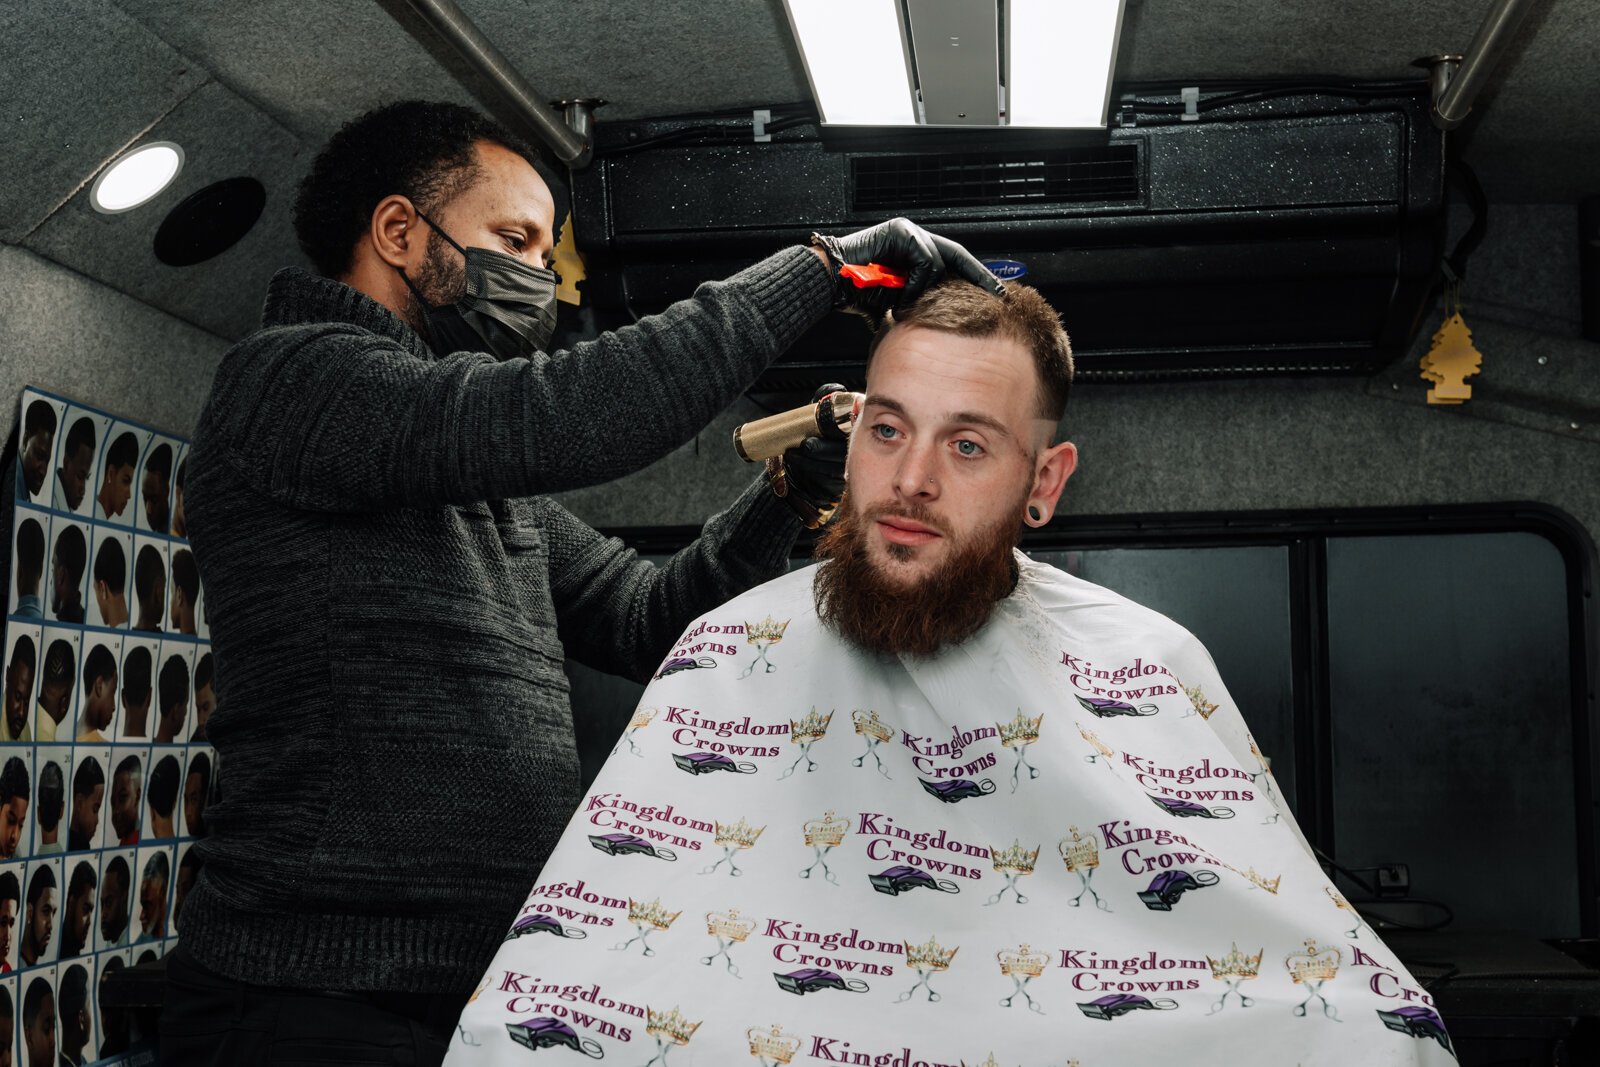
(104, 767)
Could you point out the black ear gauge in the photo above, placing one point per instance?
(1035, 513)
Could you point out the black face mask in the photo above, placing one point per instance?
(508, 309)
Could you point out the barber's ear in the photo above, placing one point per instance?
(1054, 466)
(395, 231)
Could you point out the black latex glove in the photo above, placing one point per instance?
(815, 467)
(923, 257)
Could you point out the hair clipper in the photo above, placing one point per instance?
(833, 417)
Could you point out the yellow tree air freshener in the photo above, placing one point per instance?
(1451, 359)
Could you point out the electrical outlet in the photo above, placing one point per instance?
(1394, 880)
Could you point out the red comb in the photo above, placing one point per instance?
(866, 276)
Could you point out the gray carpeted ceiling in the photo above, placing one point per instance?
(253, 88)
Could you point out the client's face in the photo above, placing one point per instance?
(946, 455)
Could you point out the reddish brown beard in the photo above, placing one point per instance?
(863, 605)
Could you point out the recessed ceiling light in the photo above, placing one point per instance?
(136, 177)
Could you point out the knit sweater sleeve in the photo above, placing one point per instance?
(620, 614)
(339, 419)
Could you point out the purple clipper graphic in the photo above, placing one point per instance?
(897, 880)
(627, 845)
(543, 924)
(706, 762)
(543, 1032)
(1169, 886)
(1418, 1021)
(683, 663)
(1106, 708)
(1188, 809)
(810, 979)
(957, 789)
(1116, 1004)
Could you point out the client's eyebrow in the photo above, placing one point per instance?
(973, 418)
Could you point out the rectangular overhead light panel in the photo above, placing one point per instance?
(1060, 55)
(855, 56)
(957, 51)
(959, 63)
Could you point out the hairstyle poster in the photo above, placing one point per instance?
(105, 773)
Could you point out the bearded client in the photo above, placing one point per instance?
(931, 802)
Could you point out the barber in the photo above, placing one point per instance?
(391, 599)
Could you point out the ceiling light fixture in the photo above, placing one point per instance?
(959, 63)
(136, 177)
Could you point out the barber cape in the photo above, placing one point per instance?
(1056, 843)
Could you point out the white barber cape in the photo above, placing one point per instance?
(1055, 844)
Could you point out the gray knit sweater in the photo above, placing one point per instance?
(390, 603)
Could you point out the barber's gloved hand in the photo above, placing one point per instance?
(923, 257)
(811, 474)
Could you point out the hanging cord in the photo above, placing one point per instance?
(1454, 266)
(1382, 922)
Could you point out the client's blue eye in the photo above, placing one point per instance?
(969, 449)
(884, 431)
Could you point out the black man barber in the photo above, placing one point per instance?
(390, 599)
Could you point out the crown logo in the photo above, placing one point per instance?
(729, 926)
(1022, 961)
(826, 831)
(1236, 964)
(1313, 965)
(1019, 731)
(990, 1062)
(651, 914)
(930, 956)
(1095, 742)
(1015, 859)
(738, 834)
(811, 728)
(768, 629)
(1266, 764)
(772, 1043)
(867, 723)
(1338, 899)
(1262, 881)
(670, 1025)
(1080, 853)
(1197, 697)
(641, 718)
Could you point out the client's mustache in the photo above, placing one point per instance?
(912, 512)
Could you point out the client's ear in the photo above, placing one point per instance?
(1051, 471)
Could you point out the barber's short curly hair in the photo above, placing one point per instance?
(418, 149)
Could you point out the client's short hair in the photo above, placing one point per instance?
(961, 308)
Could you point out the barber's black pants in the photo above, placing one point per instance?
(212, 1021)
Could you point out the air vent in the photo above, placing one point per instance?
(1063, 175)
